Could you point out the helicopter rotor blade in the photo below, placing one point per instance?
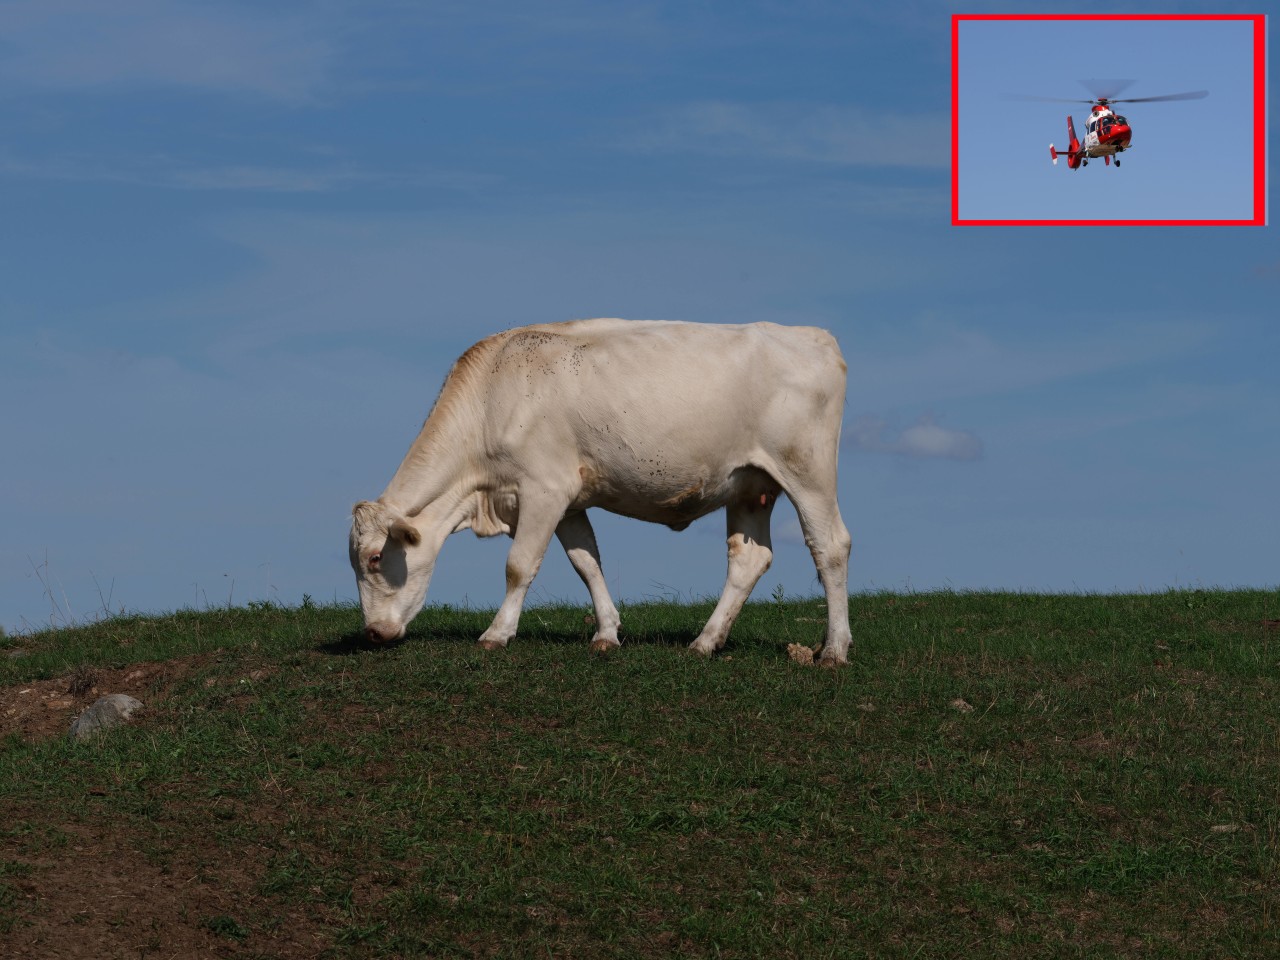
(1027, 96)
(1106, 89)
(1191, 95)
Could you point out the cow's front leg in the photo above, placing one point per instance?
(579, 542)
(537, 522)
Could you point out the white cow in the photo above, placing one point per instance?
(661, 421)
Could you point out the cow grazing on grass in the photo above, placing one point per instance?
(661, 421)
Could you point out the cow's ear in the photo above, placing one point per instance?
(405, 532)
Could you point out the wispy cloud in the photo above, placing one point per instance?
(179, 174)
(924, 439)
(815, 133)
(929, 362)
(71, 44)
(167, 172)
(270, 179)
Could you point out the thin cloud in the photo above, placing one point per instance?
(76, 44)
(174, 173)
(269, 179)
(814, 133)
(925, 439)
(947, 362)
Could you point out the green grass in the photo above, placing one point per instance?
(1114, 790)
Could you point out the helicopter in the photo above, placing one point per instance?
(1106, 133)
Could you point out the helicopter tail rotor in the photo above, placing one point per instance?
(1073, 153)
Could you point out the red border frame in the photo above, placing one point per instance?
(1259, 120)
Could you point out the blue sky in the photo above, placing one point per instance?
(1189, 160)
(244, 244)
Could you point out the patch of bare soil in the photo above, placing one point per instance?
(102, 887)
(100, 897)
(45, 708)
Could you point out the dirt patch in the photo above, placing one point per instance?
(45, 708)
(99, 897)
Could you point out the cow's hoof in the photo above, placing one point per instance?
(491, 645)
(831, 662)
(702, 647)
(604, 647)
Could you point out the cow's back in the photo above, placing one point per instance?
(661, 412)
(656, 365)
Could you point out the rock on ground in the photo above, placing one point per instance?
(106, 712)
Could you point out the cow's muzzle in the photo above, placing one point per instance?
(383, 632)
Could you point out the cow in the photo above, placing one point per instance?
(662, 421)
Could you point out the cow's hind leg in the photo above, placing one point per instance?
(537, 521)
(828, 541)
(579, 542)
(750, 553)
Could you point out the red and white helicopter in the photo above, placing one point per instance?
(1106, 133)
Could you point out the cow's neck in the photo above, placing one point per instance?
(430, 474)
(438, 471)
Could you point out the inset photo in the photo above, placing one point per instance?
(1099, 120)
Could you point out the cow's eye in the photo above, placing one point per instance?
(374, 560)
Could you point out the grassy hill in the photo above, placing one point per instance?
(993, 775)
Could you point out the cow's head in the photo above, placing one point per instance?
(393, 568)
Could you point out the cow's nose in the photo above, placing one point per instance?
(380, 633)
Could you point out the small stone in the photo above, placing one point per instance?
(961, 705)
(1224, 828)
(106, 712)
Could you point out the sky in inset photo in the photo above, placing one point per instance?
(1188, 159)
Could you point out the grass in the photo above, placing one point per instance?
(993, 775)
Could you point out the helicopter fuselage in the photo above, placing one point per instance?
(1106, 133)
